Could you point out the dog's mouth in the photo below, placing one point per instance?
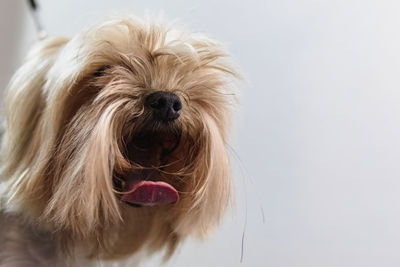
(144, 184)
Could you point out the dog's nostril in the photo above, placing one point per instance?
(166, 106)
(177, 105)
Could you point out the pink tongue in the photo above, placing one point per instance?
(148, 193)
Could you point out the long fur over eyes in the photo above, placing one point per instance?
(72, 108)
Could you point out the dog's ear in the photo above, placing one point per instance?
(57, 167)
(82, 171)
(24, 102)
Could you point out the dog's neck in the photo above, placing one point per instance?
(21, 245)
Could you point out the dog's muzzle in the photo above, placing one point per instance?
(151, 148)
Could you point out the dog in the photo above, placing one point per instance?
(115, 145)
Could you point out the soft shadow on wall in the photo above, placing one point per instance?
(14, 40)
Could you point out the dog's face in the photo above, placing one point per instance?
(116, 139)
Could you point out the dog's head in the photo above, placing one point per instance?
(117, 137)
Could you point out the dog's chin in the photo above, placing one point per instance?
(149, 151)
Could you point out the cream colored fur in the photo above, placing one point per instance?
(64, 139)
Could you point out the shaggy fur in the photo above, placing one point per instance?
(73, 109)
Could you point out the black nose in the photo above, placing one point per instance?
(166, 106)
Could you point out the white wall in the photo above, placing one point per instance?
(318, 133)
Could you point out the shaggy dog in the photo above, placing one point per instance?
(115, 143)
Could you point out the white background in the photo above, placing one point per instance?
(317, 135)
